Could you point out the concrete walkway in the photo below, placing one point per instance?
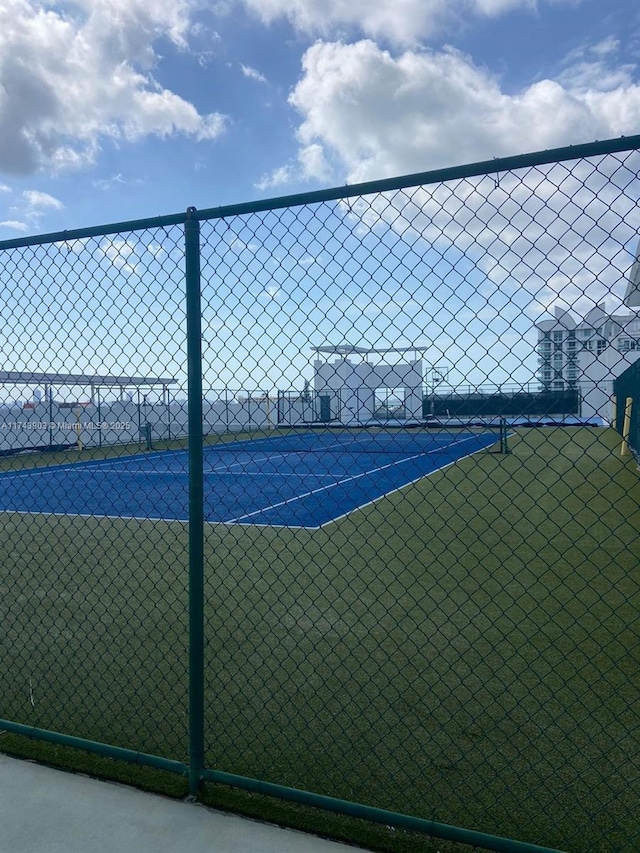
(48, 811)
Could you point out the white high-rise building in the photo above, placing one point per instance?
(587, 354)
(567, 345)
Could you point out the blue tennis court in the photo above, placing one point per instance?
(285, 480)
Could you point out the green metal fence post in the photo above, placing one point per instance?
(504, 432)
(196, 503)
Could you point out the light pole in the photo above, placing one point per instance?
(439, 374)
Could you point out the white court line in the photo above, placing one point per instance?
(142, 472)
(252, 474)
(241, 523)
(95, 468)
(404, 486)
(228, 467)
(222, 473)
(102, 464)
(342, 482)
(327, 476)
(224, 447)
(223, 467)
(145, 518)
(91, 465)
(98, 516)
(251, 523)
(97, 464)
(109, 464)
(357, 508)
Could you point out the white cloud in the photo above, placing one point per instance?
(156, 249)
(557, 235)
(29, 208)
(400, 21)
(607, 46)
(107, 184)
(34, 204)
(310, 165)
(593, 67)
(252, 74)
(378, 115)
(4, 188)
(120, 253)
(313, 164)
(14, 224)
(127, 28)
(276, 178)
(237, 245)
(73, 75)
(37, 200)
(490, 8)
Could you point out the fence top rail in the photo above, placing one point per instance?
(470, 170)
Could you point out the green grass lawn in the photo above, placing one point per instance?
(465, 650)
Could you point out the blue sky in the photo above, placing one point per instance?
(116, 109)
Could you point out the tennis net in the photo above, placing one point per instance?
(406, 440)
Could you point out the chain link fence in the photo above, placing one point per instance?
(323, 497)
(93, 621)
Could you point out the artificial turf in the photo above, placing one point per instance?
(464, 650)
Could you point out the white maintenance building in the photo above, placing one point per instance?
(358, 382)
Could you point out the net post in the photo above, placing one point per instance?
(48, 393)
(78, 428)
(503, 436)
(99, 417)
(166, 395)
(626, 427)
(196, 502)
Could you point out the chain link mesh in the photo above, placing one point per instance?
(422, 539)
(93, 587)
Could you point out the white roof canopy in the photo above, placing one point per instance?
(22, 377)
(347, 349)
